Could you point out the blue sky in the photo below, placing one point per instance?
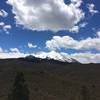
(71, 27)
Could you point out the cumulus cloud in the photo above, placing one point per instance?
(5, 27)
(3, 13)
(30, 45)
(92, 9)
(86, 57)
(5, 55)
(67, 42)
(47, 14)
(13, 53)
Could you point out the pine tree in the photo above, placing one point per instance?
(20, 90)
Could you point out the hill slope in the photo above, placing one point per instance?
(51, 81)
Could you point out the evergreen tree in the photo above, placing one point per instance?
(20, 90)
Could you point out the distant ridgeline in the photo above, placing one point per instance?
(49, 60)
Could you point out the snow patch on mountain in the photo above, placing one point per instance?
(54, 55)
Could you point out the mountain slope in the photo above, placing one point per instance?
(51, 81)
(51, 60)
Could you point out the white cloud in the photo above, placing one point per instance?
(5, 27)
(47, 14)
(3, 13)
(92, 9)
(81, 57)
(86, 57)
(16, 50)
(67, 42)
(5, 55)
(2, 24)
(98, 34)
(13, 53)
(82, 25)
(75, 29)
(1, 50)
(30, 45)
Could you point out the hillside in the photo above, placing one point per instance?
(51, 81)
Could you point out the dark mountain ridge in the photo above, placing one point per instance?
(47, 60)
(34, 59)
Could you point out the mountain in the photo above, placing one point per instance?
(63, 57)
(49, 60)
(49, 79)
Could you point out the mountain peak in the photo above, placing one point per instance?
(50, 59)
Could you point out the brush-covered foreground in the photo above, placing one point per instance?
(52, 81)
